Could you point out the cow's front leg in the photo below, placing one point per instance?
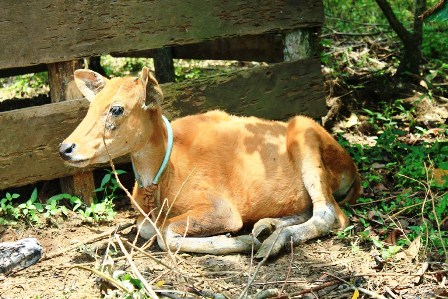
(266, 226)
(198, 231)
(321, 223)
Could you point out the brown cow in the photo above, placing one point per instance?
(223, 172)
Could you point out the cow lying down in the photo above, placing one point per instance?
(216, 171)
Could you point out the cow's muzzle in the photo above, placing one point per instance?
(66, 151)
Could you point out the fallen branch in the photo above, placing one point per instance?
(353, 33)
(269, 293)
(362, 290)
(88, 241)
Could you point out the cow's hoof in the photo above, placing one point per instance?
(263, 228)
(273, 244)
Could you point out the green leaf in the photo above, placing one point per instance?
(75, 207)
(39, 207)
(64, 210)
(33, 195)
(390, 251)
(88, 212)
(75, 200)
(377, 243)
(106, 179)
(58, 197)
(441, 15)
(136, 282)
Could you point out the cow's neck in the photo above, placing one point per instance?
(149, 157)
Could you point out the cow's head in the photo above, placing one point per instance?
(118, 116)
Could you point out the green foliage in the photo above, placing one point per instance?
(103, 210)
(364, 16)
(182, 73)
(99, 211)
(8, 213)
(343, 234)
(118, 67)
(435, 41)
(134, 285)
(406, 168)
(28, 84)
(57, 206)
(386, 251)
(30, 209)
(353, 16)
(54, 206)
(109, 184)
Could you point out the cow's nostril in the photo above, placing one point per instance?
(66, 149)
(70, 149)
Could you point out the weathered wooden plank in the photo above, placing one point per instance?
(42, 31)
(30, 136)
(278, 91)
(265, 48)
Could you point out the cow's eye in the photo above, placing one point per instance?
(116, 110)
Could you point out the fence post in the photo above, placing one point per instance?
(300, 44)
(61, 88)
(163, 65)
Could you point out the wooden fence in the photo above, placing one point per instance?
(55, 34)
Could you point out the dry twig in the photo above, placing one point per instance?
(135, 269)
(251, 279)
(104, 276)
(288, 273)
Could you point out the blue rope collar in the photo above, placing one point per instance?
(166, 159)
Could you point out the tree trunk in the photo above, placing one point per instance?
(412, 56)
(412, 41)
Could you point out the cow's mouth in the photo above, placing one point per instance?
(79, 162)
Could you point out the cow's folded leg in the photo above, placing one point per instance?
(305, 143)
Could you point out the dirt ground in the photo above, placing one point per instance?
(318, 263)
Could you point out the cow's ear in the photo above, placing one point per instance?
(153, 94)
(89, 83)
